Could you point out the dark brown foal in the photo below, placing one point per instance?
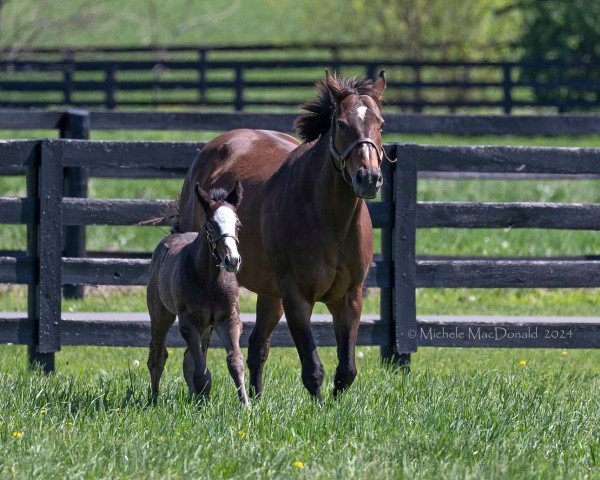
(193, 276)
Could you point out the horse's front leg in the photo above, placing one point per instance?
(196, 374)
(297, 312)
(229, 330)
(346, 319)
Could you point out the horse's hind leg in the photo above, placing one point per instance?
(268, 314)
(197, 376)
(229, 331)
(160, 323)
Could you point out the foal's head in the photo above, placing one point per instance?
(351, 109)
(221, 224)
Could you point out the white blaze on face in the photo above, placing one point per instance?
(227, 220)
(361, 112)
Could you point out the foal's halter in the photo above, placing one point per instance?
(212, 242)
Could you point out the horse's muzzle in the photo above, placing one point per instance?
(232, 263)
(367, 182)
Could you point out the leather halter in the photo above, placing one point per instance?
(212, 242)
(339, 159)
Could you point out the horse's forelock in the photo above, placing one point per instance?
(316, 119)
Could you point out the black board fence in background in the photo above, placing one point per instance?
(398, 330)
(415, 86)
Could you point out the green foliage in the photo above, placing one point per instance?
(568, 32)
(460, 28)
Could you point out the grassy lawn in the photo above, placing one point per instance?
(460, 414)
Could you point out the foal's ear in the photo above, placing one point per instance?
(334, 87)
(235, 196)
(379, 84)
(203, 198)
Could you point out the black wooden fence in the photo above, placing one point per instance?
(398, 272)
(77, 124)
(413, 85)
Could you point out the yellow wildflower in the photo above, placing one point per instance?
(241, 433)
(17, 434)
(298, 464)
(565, 352)
(69, 424)
(522, 362)
(43, 411)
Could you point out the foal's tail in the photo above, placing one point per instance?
(170, 218)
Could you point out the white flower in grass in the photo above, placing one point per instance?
(360, 354)
(136, 363)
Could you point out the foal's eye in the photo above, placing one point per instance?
(382, 127)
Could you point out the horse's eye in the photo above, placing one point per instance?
(382, 127)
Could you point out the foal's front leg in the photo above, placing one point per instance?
(195, 372)
(229, 330)
(346, 319)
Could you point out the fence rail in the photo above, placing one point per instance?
(397, 272)
(413, 85)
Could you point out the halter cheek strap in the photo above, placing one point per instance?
(212, 244)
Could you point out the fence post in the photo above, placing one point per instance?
(386, 303)
(109, 86)
(507, 87)
(239, 88)
(405, 311)
(47, 302)
(34, 357)
(202, 74)
(76, 125)
(68, 77)
(418, 105)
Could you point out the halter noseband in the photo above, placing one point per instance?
(339, 159)
(212, 243)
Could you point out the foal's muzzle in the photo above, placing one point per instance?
(367, 182)
(232, 263)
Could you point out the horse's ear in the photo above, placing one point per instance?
(203, 198)
(334, 87)
(235, 196)
(379, 83)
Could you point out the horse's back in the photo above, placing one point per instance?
(250, 156)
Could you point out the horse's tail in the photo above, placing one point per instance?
(170, 218)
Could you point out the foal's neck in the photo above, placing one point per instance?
(205, 263)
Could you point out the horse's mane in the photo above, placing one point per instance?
(318, 111)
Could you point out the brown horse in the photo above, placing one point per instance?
(192, 275)
(307, 233)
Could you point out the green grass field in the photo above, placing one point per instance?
(460, 414)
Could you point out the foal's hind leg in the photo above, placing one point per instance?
(268, 314)
(195, 372)
(160, 323)
(229, 331)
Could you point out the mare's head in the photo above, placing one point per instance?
(221, 224)
(350, 108)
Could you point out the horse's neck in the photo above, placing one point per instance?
(204, 262)
(335, 201)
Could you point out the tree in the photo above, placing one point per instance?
(565, 33)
